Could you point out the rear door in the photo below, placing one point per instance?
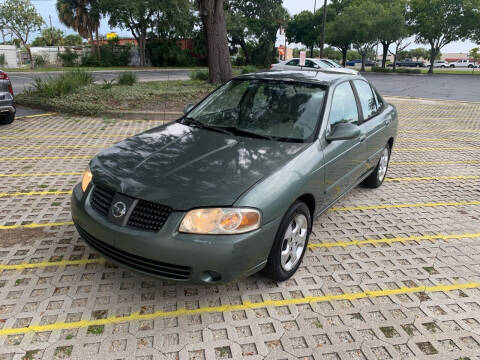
(344, 159)
(374, 120)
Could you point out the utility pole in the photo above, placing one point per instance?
(324, 24)
(314, 10)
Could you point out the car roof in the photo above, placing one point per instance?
(321, 76)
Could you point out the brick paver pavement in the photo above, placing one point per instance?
(390, 273)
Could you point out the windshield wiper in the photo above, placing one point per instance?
(247, 133)
(199, 124)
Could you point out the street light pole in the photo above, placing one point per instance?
(324, 23)
(314, 10)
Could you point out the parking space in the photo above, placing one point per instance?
(389, 273)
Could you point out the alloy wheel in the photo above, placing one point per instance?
(294, 241)
(383, 164)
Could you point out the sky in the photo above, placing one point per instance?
(47, 8)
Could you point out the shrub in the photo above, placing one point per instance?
(408, 71)
(240, 60)
(127, 78)
(2, 59)
(168, 53)
(199, 75)
(39, 60)
(68, 58)
(249, 69)
(380, 69)
(61, 85)
(110, 55)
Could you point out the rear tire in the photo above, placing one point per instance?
(290, 243)
(376, 178)
(452, 66)
(7, 119)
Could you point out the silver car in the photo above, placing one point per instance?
(7, 104)
(311, 64)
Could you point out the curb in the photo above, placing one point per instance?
(142, 115)
(430, 99)
(100, 71)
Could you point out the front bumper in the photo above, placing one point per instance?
(172, 255)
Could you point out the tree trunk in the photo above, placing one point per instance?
(433, 55)
(219, 65)
(142, 46)
(364, 57)
(344, 56)
(395, 62)
(385, 53)
(29, 52)
(243, 45)
(311, 51)
(97, 46)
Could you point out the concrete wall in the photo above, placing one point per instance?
(11, 54)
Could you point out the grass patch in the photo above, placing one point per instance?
(59, 86)
(249, 69)
(95, 329)
(98, 68)
(200, 75)
(92, 100)
(127, 78)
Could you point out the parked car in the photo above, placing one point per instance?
(233, 187)
(310, 64)
(409, 63)
(7, 104)
(331, 63)
(359, 61)
(463, 64)
(441, 64)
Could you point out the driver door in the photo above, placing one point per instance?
(345, 160)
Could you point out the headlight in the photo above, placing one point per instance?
(86, 179)
(220, 221)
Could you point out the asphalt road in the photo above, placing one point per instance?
(437, 86)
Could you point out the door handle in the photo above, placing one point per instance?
(363, 137)
(388, 120)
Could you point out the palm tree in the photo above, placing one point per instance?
(82, 16)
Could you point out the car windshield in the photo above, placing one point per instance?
(274, 110)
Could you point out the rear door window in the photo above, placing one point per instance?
(367, 99)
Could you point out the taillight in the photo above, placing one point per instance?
(10, 89)
(3, 76)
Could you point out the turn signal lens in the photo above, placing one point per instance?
(220, 221)
(86, 179)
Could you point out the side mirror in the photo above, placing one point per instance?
(187, 108)
(344, 131)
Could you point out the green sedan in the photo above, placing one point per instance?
(233, 187)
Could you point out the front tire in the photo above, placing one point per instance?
(7, 119)
(290, 243)
(376, 178)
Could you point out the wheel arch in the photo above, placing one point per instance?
(309, 200)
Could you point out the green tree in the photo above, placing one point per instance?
(253, 26)
(141, 16)
(302, 29)
(332, 53)
(399, 54)
(419, 53)
(83, 16)
(439, 22)
(72, 40)
(20, 18)
(475, 55)
(215, 28)
(390, 24)
(49, 37)
(362, 17)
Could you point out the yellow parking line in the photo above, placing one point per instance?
(45, 157)
(36, 115)
(393, 240)
(438, 131)
(460, 177)
(50, 263)
(247, 305)
(446, 162)
(438, 139)
(400, 206)
(437, 148)
(41, 174)
(30, 226)
(51, 147)
(32, 193)
(81, 136)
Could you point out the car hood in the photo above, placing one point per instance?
(185, 167)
